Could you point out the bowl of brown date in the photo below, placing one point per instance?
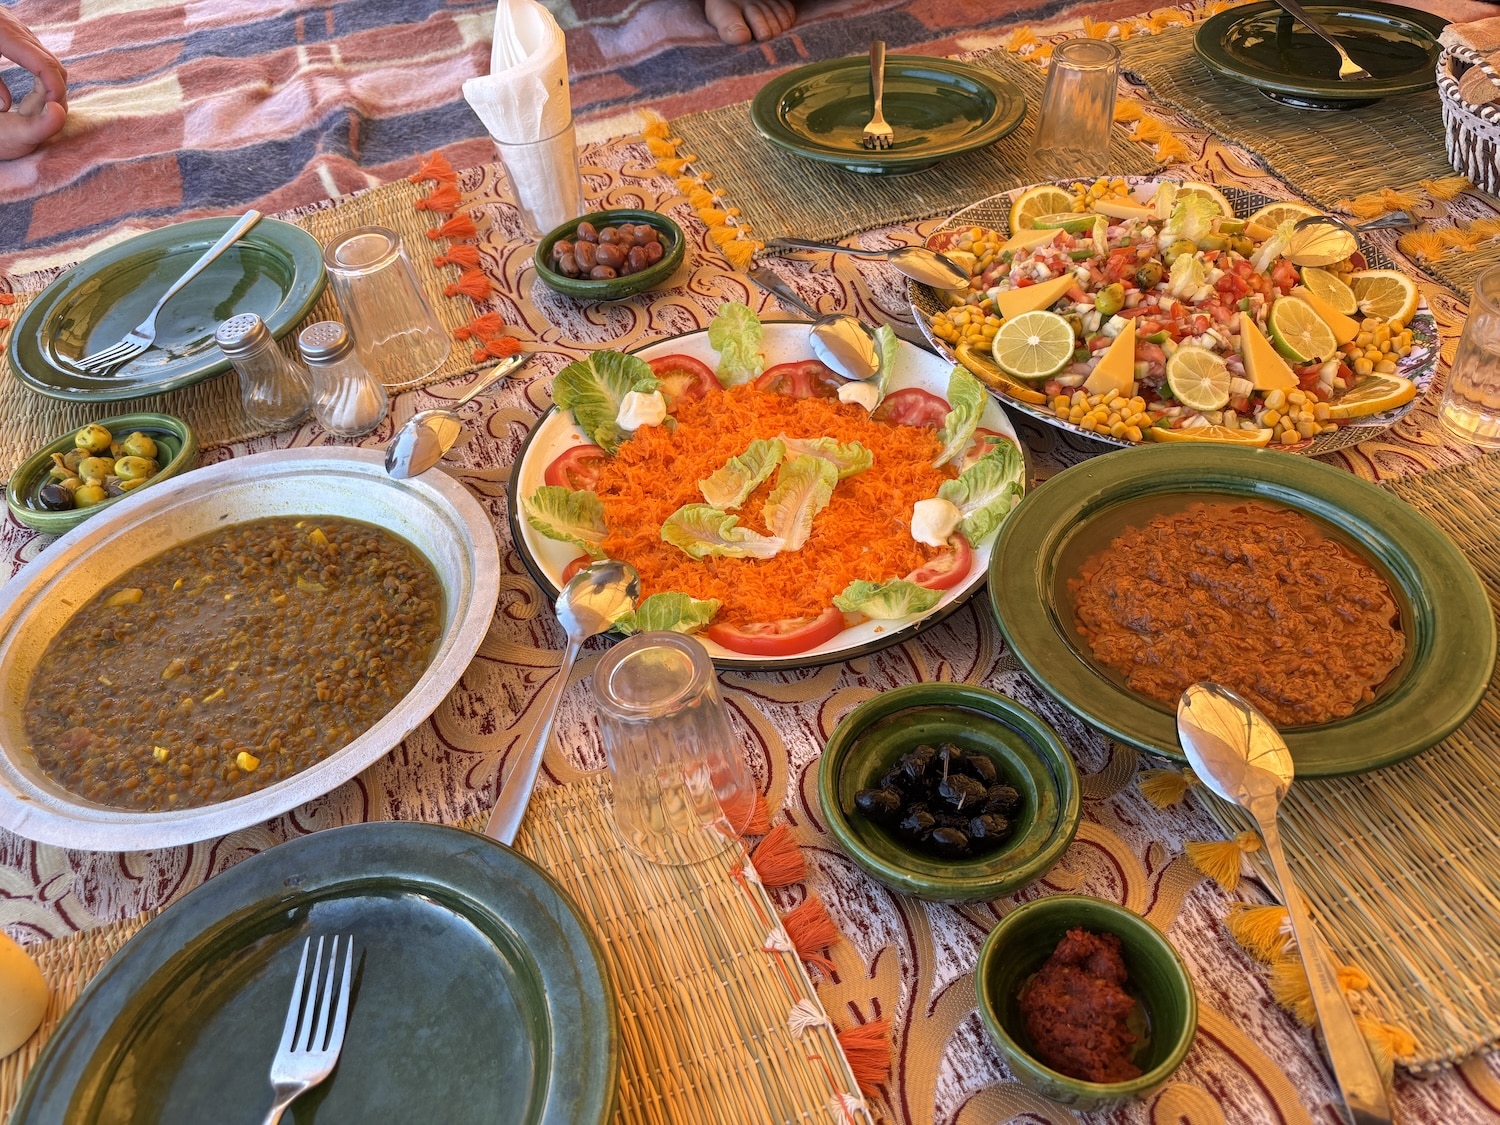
(610, 255)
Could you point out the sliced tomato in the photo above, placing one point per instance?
(806, 378)
(912, 407)
(683, 378)
(948, 569)
(574, 567)
(984, 441)
(577, 468)
(786, 637)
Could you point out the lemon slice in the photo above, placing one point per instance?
(1044, 199)
(1274, 214)
(1298, 332)
(1331, 288)
(1209, 192)
(1199, 379)
(1320, 245)
(1372, 395)
(1385, 294)
(1034, 345)
(1225, 434)
(983, 368)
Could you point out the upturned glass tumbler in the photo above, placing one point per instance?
(1471, 396)
(682, 790)
(1078, 111)
(397, 334)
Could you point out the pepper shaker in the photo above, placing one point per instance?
(348, 400)
(275, 388)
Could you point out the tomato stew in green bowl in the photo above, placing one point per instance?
(611, 242)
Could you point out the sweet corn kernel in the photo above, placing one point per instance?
(246, 761)
(159, 753)
(1270, 418)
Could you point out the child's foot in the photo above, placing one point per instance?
(739, 21)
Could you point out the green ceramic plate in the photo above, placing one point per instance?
(1445, 612)
(1262, 45)
(479, 994)
(937, 107)
(275, 270)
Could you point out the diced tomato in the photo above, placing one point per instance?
(778, 638)
(1052, 388)
(1139, 310)
(574, 567)
(1076, 294)
(1147, 352)
(1357, 260)
(1239, 404)
(683, 378)
(577, 468)
(1284, 274)
(805, 378)
(948, 569)
(984, 441)
(912, 407)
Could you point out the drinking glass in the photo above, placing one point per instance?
(1471, 398)
(398, 335)
(544, 178)
(681, 787)
(1078, 111)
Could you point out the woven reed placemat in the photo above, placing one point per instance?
(29, 420)
(779, 193)
(1400, 864)
(1322, 156)
(708, 1031)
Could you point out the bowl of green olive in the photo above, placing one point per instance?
(86, 470)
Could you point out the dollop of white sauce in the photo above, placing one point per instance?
(859, 391)
(933, 521)
(637, 410)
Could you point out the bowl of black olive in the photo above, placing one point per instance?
(949, 792)
(610, 255)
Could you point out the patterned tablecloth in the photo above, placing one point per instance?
(903, 959)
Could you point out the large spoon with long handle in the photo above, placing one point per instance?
(922, 265)
(592, 601)
(428, 434)
(1349, 70)
(845, 343)
(1238, 754)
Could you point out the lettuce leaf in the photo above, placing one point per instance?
(669, 610)
(804, 485)
(702, 530)
(736, 334)
(987, 490)
(848, 458)
(966, 402)
(1190, 219)
(571, 517)
(593, 389)
(727, 488)
(885, 601)
(886, 346)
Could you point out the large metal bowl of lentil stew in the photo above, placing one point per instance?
(317, 516)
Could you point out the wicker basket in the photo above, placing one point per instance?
(1473, 132)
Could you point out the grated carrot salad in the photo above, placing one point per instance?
(865, 532)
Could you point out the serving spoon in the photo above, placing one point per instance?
(592, 601)
(428, 434)
(922, 265)
(1238, 754)
(845, 343)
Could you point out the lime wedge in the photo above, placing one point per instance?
(1033, 346)
(1069, 221)
(1199, 378)
(1298, 332)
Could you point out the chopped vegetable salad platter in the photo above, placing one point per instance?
(1135, 310)
(785, 516)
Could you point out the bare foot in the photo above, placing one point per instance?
(739, 21)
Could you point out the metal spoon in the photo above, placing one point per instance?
(592, 601)
(843, 342)
(1238, 754)
(1393, 221)
(922, 265)
(428, 434)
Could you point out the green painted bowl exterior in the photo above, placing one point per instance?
(1026, 937)
(621, 287)
(1024, 748)
(171, 434)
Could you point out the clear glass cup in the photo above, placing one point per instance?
(394, 327)
(682, 790)
(1471, 397)
(1078, 111)
(544, 178)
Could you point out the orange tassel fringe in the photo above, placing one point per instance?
(483, 326)
(445, 199)
(4, 323)
(472, 284)
(460, 227)
(435, 167)
(867, 1046)
(777, 858)
(465, 257)
(7, 298)
(811, 930)
(756, 818)
(497, 349)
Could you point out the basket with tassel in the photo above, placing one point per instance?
(1472, 125)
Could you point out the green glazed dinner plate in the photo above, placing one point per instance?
(275, 270)
(937, 107)
(1262, 45)
(1444, 610)
(479, 995)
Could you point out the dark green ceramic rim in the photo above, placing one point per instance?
(1026, 937)
(872, 736)
(1214, 36)
(429, 907)
(998, 104)
(173, 436)
(621, 287)
(1446, 616)
(294, 262)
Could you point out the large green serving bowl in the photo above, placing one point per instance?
(1026, 752)
(1024, 939)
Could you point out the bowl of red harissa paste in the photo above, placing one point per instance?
(1070, 985)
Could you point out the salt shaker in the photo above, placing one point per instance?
(274, 388)
(348, 400)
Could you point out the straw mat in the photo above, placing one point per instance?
(779, 193)
(29, 420)
(714, 1026)
(1399, 864)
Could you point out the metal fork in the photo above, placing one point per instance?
(877, 132)
(143, 335)
(1349, 70)
(307, 1054)
(1394, 221)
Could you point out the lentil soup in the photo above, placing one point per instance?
(233, 661)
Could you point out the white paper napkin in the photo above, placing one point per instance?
(525, 95)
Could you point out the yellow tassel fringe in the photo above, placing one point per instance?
(1289, 988)
(731, 236)
(1449, 187)
(1260, 930)
(1165, 788)
(1220, 859)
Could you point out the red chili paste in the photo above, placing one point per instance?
(1076, 1009)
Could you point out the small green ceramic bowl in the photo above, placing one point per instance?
(177, 451)
(616, 289)
(1026, 752)
(1026, 937)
